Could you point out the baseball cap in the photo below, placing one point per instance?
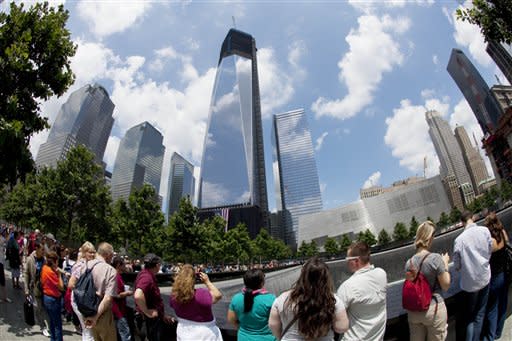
(50, 236)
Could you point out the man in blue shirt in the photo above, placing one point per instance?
(471, 253)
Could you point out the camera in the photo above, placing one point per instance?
(198, 276)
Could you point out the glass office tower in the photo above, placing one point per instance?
(501, 57)
(139, 160)
(86, 119)
(295, 173)
(452, 169)
(233, 165)
(181, 182)
(475, 90)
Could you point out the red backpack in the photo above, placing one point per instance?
(416, 292)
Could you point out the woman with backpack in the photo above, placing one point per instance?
(430, 323)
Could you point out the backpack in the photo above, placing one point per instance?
(84, 294)
(416, 292)
(38, 287)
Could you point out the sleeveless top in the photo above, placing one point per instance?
(497, 261)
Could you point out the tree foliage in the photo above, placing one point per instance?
(345, 242)
(494, 17)
(444, 220)
(268, 248)
(367, 236)
(70, 201)
(400, 232)
(35, 51)
(331, 247)
(413, 227)
(307, 249)
(383, 237)
(455, 215)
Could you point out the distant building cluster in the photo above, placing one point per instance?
(232, 183)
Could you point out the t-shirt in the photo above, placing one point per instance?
(287, 315)
(198, 309)
(146, 281)
(432, 267)
(253, 324)
(119, 304)
(50, 282)
(103, 275)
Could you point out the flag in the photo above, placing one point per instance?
(224, 213)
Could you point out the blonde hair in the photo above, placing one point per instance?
(87, 247)
(183, 286)
(424, 234)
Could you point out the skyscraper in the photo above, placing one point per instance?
(475, 90)
(233, 165)
(181, 182)
(472, 159)
(503, 96)
(501, 57)
(452, 170)
(295, 172)
(139, 160)
(85, 118)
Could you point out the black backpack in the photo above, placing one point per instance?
(84, 294)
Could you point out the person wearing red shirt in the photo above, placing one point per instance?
(52, 285)
(119, 302)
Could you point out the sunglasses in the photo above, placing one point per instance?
(351, 258)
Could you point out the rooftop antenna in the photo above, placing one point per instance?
(234, 22)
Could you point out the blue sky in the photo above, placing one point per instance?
(364, 71)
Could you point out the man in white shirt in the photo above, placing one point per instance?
(471, 253)
(364, 296)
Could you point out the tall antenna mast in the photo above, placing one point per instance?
(234, 22)
(425, 167)
(498, 79)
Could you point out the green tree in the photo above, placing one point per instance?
(476, 205)
(383, 237)
(367, 236)
(268, 248)
(444, 220)
(35, 52)
(413, 227)
(307, 249)
(186, 239)
(400, 232)
(212, 248)
(237, 244)
(331, 247)
(506, 190)
(345, 242)
(489, 198)
(71, 201)
(494, 17)
(455, 215)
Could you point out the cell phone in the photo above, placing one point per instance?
(198, 276)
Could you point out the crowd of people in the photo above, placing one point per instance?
(313, 309)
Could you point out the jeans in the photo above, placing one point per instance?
(53, 308)
(476, 303)
(154, 328)
(123, 329)
(496, 308)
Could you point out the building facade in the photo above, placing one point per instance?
(503, 96)
(472, 159)
(181, 182)
(452, 168)
(86, 119)
(501, 57)
(139, 160)
(475, 90)
(420, 199)
(295, 172)
(233, 164)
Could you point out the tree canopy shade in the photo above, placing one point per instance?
(35, 51)
(493, 16)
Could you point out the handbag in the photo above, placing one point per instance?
(28, 311)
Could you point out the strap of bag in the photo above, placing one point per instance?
(289, 325)
(421, 263)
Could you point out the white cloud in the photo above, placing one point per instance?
(435, 59)
(276, 87)
(369, 5)
(111, 151)
(323, 186)
(109, 16)
(469, 36)
(411, 145)
(295, 53)
(161, 56)
(320, 141)
(372, 51)
(373, 180)
(428, 93)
